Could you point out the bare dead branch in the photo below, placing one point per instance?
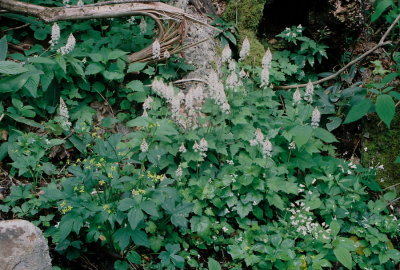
(381, 43)
(170, 37)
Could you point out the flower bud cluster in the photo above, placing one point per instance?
(217, 92)
(266, 145)
(64, 114)
(201, 147)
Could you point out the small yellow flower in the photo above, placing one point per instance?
(76, 188)
(102, 182)
(109, 175)
(113, 168)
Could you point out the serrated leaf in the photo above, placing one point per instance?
(136, 67)
(335, 227)
(150, 208)
(301, 134)
(344, 257)
(385, 108)
(213, 264)
(134, 257)
(380, 8)
(94, 68)
(136, 86)
(324, 135)
(11, 68)
(109, 75)
(41, 60)
(358, 111)
(135, 215)
(116, 54)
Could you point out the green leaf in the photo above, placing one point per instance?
(397, 160)
(94, 68)
(358, 110)
(150, 208)
(134, 257)
(3, 48)
(344, 257)
(136, 67)
(135, 215)
(335, 227)
(41, 60)
(109, 75)
(115, 54)
(394, 254)
(11, 68)
(213, 264)
(301, 134)
(324, 135)
(385, 108)
(136, 86)
(380, 8)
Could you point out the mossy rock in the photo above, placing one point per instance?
(257, 50)
(247, 12)
(383, 147)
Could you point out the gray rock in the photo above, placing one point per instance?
(23, 247)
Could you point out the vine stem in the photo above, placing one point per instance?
(381, 43)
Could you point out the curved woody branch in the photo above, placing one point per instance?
(170, 38)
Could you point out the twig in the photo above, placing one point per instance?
(381, 43)
(190, 80)
(18, 27)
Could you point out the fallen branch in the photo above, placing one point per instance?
(381, 43)
(170, 37)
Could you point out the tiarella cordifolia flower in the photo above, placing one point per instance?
(182, 148)
(147, 103)
(179, 171)
(66, 2)
(296, 96)
(267, 59)
(232, 81)
(143, 26)
(69, 47)
(194, 99)
(84, 60)
(245, 49)
(226, 54)
(259, 136)
(309, 92)
(230, 162)
(264, 77)
(80, 3)
(217, 92)
(132, 20)
(232, 65)
(316, 117)
(301, 219)
(267, 148)
(144, 147)
(163, 90)
(203, 146)
(64, 114)
(55, 34)
(243, 74)
(167, 54)
(156, 48)
(292, 146)
(253, 142)
(226, 108)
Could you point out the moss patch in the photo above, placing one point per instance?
(383, 146)
(248, 13)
